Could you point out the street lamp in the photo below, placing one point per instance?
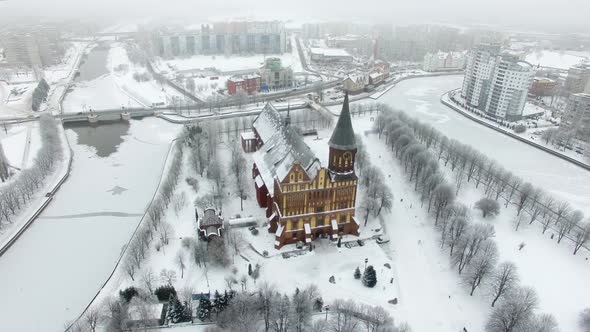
(366, 261)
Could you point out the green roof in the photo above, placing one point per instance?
(343, 135)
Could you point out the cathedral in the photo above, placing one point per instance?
(304, 199)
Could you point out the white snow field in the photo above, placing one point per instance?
(420, 98)
(21, 143)
(548, 267)
(222, 63)
(61, 261)
(98, 94)
(553, 59)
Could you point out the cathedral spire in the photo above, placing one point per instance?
(343, 135)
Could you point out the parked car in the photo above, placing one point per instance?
(300, 245)
(360, 242)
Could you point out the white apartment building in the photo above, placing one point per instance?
(442, 61)
(495, 83)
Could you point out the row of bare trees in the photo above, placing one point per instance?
(470, 245)
(16, 194)
(4, 166)
(154, 226)
(269, 310)
(471, 166)
(377, 195)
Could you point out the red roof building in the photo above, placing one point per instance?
(249, 84)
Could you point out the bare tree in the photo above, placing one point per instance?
(129, 267)
(582, 236)
(165, 231)
(523, 196)
(477, 237)
(544, 323)
(92, 316)
(515, 313)
(568, 223)
(168, 276)
(240, 315)
(488, 206)
(584, 320)
(504, 279)
(443, 195)
(482, 265)
(181, 262)
(267, 300)
(148, 278)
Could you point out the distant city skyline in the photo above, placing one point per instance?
(526, 15)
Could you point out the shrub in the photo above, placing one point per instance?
(128, 293)
(187, 242)
(254, 231)
(370, 277)
(163, 292)
(357, 273)
(488, 206)
(519, 129)
(194, 183)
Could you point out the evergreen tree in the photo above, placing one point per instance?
(204, 311)
(357, 273)
(370, 277)
(176, 311)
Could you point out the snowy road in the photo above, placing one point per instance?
(421, 99)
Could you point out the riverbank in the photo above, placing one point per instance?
(445, 100)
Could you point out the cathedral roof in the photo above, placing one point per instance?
(343, 135)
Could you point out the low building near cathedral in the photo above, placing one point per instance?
(304, 200)
(210, 224)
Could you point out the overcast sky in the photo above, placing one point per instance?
(568, 15)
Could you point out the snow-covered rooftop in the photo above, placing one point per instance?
(330, 52)
(283, 147)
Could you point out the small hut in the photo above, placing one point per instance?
(210, 224)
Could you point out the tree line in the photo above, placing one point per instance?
(270, 310)
(471, 166)
(39, 94)
(470, 246)
(19, 191)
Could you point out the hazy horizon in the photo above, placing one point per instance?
(525, 15)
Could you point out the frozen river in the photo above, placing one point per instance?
(60, 262)
(420, 99)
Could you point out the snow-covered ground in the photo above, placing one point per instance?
(421, 275)
(145, 93)
(421, 99)
(16, 105)
(57, 73)
(548, 267)
(221, 62)
(21, 143)
(64, 257)
(101, 93)
(553, 59)
(118, 88)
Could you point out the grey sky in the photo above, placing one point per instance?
(570, 15)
